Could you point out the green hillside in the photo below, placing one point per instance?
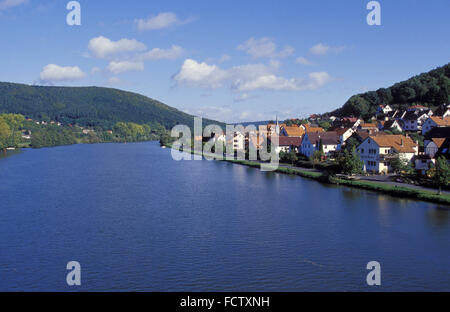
(430, 89)
(88, 106)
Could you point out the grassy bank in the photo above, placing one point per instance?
(400, 191)
(302, 173)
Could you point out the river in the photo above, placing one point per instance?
(136, 220)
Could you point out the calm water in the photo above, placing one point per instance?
(137, 220)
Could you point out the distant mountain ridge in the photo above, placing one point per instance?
(429, 89)
(88, 106)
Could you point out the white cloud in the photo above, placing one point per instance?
(203, 75)
(6, 4)
(118, 67)
(102, 47)
(246, 78)
(323, 49)
(272, 82)
(303, 60)
(162, 54)
(55, 73)
(264, 47)
(160, 21)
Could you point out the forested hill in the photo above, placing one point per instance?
(88, 106)
(430, 89)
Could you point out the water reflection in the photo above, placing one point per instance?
(138, 220)
(439, 215)
(8, 153)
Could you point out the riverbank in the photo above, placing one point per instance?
(323, 177)
(393, 190)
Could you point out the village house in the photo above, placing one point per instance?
(344, 134)
(435, 133)
(26, 134)
(311, 143)
(292, 131)
(432, 146)
(219, 137)
(383, 109)
(288, 144)
(378, 150)
(423, 163)
(350, 122)
(87, 131)
(393, 125)
(443, 110)
(413, 119)
(238, 141)
(395, 114)
(312, 128)
(435, 122)
(368, 126)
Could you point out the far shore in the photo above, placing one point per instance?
(381, 187)
(400, 190)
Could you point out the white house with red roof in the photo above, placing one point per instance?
(435, 122)
(376, 151)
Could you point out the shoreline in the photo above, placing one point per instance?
(379, 187)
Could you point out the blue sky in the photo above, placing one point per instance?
(227, 60)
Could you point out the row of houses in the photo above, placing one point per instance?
(416, 118)
(375, 147)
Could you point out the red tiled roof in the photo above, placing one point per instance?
(312, 129)
(289, 141)
(294, 131)
(341, 131)
(396, 141)
(328, 138)
(441, 122)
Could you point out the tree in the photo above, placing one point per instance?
(321, 146)
(351, 144)
(290, 157)
(5, 133)
(442, 173)
(317, 157)
(350, 163)
(398, 164)
(325, 125)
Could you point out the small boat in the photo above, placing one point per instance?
(163, 146)
(10, 148)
